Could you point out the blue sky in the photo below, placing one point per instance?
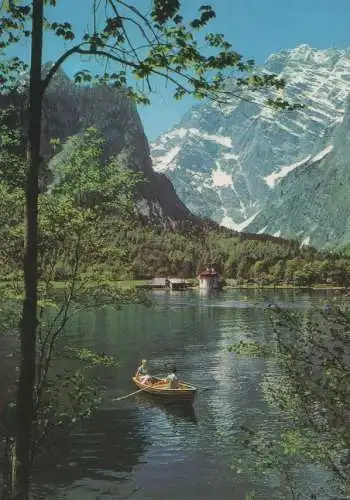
(256, 28)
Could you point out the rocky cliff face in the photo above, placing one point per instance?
(69, 109)
(312, 202)
(242, 163)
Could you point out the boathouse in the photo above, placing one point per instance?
(171, 283)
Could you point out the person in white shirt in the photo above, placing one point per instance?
(172, 379)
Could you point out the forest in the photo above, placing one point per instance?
(96, 203)
(144, 252)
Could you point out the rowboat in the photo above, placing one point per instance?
(158, 387)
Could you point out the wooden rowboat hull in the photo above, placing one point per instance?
(159, 388)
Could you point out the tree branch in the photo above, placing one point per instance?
(58, 63)
(131, 20)
(141, 16)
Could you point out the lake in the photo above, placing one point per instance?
(141, 449)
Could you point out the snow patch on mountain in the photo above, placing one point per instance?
(322, 154)
(180, 133)
(220, 139)
(228, 222)
(272, 179)
(229, 156)
(166, 162)
(262, 230)
(183, 132)
(221, 179)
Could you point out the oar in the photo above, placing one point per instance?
(128, 395)
(135, 392)
(196, 386)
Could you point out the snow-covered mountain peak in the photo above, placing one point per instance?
(305, 55)
(226, 160)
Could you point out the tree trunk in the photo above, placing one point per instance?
(8, 488)
(28, 325)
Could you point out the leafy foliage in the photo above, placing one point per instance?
(143, 44)
(103, 188)
(71, 233)
(310, 390)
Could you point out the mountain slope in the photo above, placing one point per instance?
(69, 109)
(312, 202)
(225, 161)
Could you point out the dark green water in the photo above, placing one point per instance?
(143, 450)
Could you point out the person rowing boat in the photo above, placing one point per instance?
(172, 379)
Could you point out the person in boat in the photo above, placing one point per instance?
(172, 379)
(142, 372)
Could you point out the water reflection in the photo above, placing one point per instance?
(157, 451)
(105, 449)
(176, 412)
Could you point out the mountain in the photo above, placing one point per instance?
(312, 202)
(249, 167)
(68, 109)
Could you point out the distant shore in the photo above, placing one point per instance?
(229, 285)
(316, 286)
(248, 286)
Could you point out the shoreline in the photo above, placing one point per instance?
(145, 284)
(287, 287)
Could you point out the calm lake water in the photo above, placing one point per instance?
(140, 449)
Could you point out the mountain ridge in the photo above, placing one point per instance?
(225, 161)
(68, 109)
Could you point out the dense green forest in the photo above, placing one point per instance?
(143, 252)
(134, 251)
(91, 207)
(149, 252)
